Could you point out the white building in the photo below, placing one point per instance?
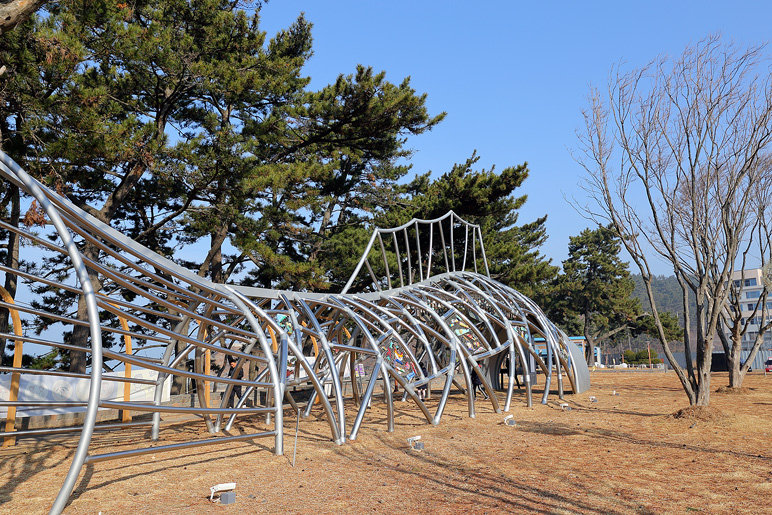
(749, 284)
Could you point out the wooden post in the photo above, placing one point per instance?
(10, 419)
(125, 414)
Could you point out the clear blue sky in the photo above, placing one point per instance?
(512, 76)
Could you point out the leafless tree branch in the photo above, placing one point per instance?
(689, 136)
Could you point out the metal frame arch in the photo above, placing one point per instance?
(361, 327)
(415, 327)
(278, 379)
(468, 354)
(378, 233)
(449, 369)
(536, 323)
(298, 330)
(463, 297)
(327, 350)
(385, 367)
(458, 307)
(172, 306)
(93, 315)
(577, 369)
(513, 342)
(454, 345)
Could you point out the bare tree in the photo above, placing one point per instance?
(734, 323)
(672, 156)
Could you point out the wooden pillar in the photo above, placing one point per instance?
(10, 419)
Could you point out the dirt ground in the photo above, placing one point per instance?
(623, 454)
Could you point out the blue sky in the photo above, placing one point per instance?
(512, 76)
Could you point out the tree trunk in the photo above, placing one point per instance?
(732, 344)
(179, 382)
(11, 261)
(735, 374)
(733, 353)
(326, 218)
(589, 340)
(81, 333)
(212, 265)
(213, 262)
(703, 389)
(700, 381)
(14, 12)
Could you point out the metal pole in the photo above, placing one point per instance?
(297, 428)
(277, 379)
(96, 336)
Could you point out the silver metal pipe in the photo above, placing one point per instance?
(409, 260)
(430, 252)
(362, 260)
(152, 408)
(399, 259)
(277, 379)
(44, 404)
(466, 247)
(336, 386)
(452, 247)
(71, 429)
(176, 446)
(444, 245)
(385, 261)
(96, 337)
(413, 315)
(296, 349)
(418, 252)
(74, 375)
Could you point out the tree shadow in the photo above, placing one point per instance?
(611, 436)
(158, 466)
(506, 493)
(22, 463)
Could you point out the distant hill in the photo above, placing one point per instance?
(667, 294)
(668, 297)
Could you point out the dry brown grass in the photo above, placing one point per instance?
(729, 390)
(701, 414)
(625, 453)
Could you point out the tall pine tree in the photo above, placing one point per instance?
(593, 295)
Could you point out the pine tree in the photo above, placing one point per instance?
(142, 112)
(594, 292)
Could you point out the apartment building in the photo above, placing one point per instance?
(749, 284)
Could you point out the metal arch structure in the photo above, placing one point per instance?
(416, 313)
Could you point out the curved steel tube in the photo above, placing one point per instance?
(96, 341)
(162, 299)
